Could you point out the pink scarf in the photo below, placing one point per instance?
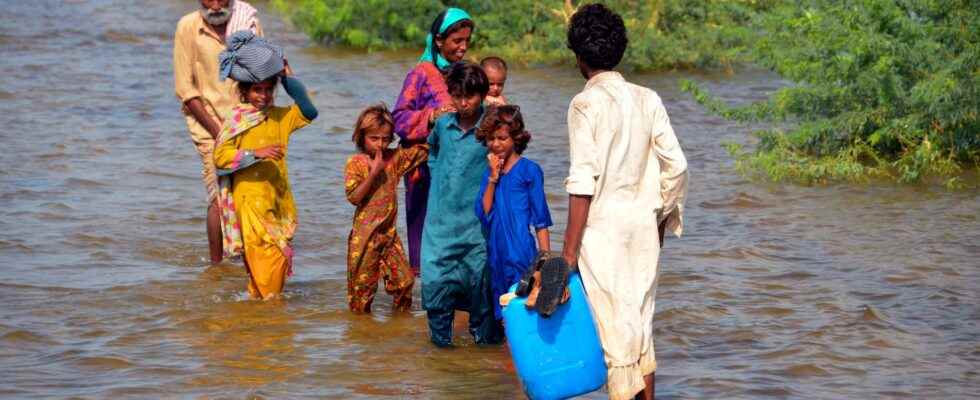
(242, 118)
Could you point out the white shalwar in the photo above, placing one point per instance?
(625, 155)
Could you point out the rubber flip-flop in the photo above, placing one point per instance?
(554, 279)
(532, 297)
(527, 281)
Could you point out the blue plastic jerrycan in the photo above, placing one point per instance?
(560, 356)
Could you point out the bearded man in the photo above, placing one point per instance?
(200, 37)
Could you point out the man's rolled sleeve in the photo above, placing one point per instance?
(184, 84)
(583, 157)
(673, 172)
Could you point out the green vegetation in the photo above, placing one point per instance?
(885, 89)
(882, 89)
(664, 34)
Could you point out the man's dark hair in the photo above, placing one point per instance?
(597, 35)
(466, 79)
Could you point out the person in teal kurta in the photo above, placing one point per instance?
(454, 253)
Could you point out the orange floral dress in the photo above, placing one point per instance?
(374, 250)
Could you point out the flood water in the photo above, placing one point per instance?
(775, 291)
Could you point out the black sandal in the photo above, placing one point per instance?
(554, 280)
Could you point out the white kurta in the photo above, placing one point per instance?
(625, 155)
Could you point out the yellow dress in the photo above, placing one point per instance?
(263, 199)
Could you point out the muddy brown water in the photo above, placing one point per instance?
(775, 291)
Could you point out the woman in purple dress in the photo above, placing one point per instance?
(423, 99)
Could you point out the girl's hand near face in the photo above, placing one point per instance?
(274, 152)
(496, 164)
(377, 162)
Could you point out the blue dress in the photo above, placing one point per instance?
(454, 250)
(519, 208)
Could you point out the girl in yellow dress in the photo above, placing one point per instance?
(258, 213)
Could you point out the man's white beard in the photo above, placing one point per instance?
(219, 17)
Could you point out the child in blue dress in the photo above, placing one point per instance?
(511, 202)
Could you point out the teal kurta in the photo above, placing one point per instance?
(454, 253)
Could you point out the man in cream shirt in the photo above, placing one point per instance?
(199, 38)
(627, 182)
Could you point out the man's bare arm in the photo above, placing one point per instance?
(578, 215)
(196, 107)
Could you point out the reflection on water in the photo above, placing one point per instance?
(775, 290)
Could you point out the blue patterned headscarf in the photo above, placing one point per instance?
(449, 17)
(249, 58)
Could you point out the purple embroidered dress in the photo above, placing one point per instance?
(422, 94)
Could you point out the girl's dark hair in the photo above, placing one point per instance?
(597, 35)
(244, 87)
(509, 116)
(451, 29)
(465, 79)
(371, 119)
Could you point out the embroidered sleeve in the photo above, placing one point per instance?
(411, 157)
(410, 113)
(355, 173)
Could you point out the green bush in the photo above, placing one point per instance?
(882, 89)
(368, 24)
(664, 34)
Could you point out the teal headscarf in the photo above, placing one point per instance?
(452, 16)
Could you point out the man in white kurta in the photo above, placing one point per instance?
(625, 156)
(630, 176)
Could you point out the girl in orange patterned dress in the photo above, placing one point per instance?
(374, 250)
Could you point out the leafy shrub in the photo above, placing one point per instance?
(883, 88)
(664, 34)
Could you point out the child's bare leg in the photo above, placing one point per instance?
(214, 232)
